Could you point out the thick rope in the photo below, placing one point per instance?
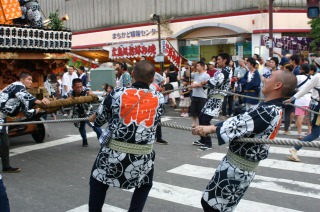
(46, 121)
(244, 96)
(315, 144)
(261, 99)
(177, 89)
(57, 103)
(288, 142)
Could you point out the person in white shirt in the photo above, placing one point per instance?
(303, 101)
(67, 81)
(312, 86)
(67, 84)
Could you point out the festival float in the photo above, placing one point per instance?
(29, 43)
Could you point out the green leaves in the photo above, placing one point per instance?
(56, 23)
(315, 33)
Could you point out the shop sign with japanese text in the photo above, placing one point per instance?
(150, 49)
(133, 34)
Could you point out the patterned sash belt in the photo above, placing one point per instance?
(136, 149)
(216, 96)
(241, 162)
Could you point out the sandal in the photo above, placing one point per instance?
(295, 159)
(300, 137)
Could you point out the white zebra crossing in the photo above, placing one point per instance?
(106, 208)
(301, 152)
(275, 164)
(191, 197)
(266, 183)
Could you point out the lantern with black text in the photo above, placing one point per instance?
(1, 37)
(19, 38)
(7, 37)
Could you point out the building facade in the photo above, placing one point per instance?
(197, 28)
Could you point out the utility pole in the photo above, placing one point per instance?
(271, 28)
(157, 18)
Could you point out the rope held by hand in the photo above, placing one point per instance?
(46, 121)
(69, 101)
(287, 142)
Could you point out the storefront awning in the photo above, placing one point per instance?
(99, 55)
(149, 49)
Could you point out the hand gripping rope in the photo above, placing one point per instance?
(241, 95)
(288, 142)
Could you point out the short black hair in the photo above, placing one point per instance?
(171, 67)
(296, 59)
(201, 63)
(53, 78)
(81, 68)
(144, 71)
(76, 80)
(313, 68)
(305, 68)
(24, 75)
(225, 56)
(252, 61)
(124, 66)
(275, 59)
(105, 86)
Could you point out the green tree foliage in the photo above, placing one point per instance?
(315, 33)
(56, 23)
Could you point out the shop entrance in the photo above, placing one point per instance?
(209, 39)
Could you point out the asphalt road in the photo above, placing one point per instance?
(55, 175)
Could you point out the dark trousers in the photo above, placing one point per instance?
(99, 190)
(4, 150)
(206, 207)
(227, 100)
(287, 111)
(240, 99)
(205, 119)
(4, 201)
(158, 132)
(82, 130)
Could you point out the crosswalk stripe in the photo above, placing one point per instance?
(106, 208)
(69, 139)
(191, 197)
(165, 118)
(276, 164)
(302, 152)
(260, 182)
(291, 132)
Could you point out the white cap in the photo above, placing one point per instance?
(317, 61)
